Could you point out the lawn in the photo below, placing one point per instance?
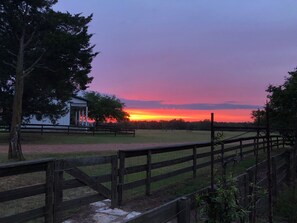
(142, 136)
(179, 185)
(108, 143)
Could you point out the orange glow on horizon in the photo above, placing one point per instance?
(240, 115)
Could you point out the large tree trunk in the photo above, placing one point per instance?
(15, 149)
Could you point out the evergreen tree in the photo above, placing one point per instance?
(45, 57)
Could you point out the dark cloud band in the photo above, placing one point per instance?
(194, 106)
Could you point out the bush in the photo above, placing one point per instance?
(222, 206)
(286, 205)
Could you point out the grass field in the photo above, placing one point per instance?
(181, 184)
(145, 138)
(142, 136)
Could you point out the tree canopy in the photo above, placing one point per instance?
(282, 103)
(45, 57)
(103, 108)
(57, 56)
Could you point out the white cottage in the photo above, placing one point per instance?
(77, 114)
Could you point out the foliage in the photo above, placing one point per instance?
(283, 101)
(222, 206)
(179, 124)
(57, 56)
(45, 56)
(259, 117)
(286, 204)
(104, 108)
(282, 105)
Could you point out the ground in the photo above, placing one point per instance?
(88, 212)
(73, 148)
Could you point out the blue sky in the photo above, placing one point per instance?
(190, 52)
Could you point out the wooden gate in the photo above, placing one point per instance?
(82, 179)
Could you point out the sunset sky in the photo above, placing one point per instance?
(187, 58)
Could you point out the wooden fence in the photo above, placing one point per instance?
(68, 129)
(283, 171)
(189, 154)
(55, 184)
(57, 173)
(46, 166)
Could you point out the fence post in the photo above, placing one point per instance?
(251, 194)
(212, 147)
(274, 178)
(114, 181)
(121, 177)
(289, 166)
(58, 188)
(148, 172)
(184, 210)
(255, 147)
(246, 190)
(242, 186)
(194, 162)
(293, 164)
(277, 143)
(68, 130)
(49, 193)
(240, 149)
(222, 157)
(41, 129)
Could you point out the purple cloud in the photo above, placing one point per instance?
(141, 104)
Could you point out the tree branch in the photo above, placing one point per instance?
(9, 64)
(30, 38)
(11, 53)
(33, 65)
(45, 67)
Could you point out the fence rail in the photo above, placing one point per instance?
(68, 129)
(56, 183)
(57, 172)
(29, 167)
(192, 158)
(281, 171)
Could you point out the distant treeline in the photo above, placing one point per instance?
(178, 124)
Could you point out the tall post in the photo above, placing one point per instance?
(274, 178)
(114, 181)
(79, 115)
(194, 162)
(75, 121)
(256, 153)
(49, 198)
(184, 210)
(212, 152)
(251, 175)
(222, 161)
(121, 177)
(148, 172)
(82, 117)
(240, 148)
(87, 111)
(58, 189)
(268, 165)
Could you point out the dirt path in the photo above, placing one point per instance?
(83, 147)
